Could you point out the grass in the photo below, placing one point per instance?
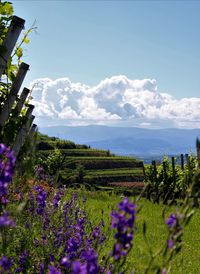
(79, 152)
(115, 172)
(101, 162)
(186, 262)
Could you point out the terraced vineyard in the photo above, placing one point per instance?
(88, 165)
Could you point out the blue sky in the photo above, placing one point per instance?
(90, 40)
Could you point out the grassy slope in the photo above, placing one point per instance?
(100, 165)
(156, 233)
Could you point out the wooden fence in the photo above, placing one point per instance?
(184, 159)
(15, 103)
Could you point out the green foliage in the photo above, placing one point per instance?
(52, 163)
(79, 152)
(43, 145)
(65, 144)
(101, 162)
(55, 142)
(168, 182)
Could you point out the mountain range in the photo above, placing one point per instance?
(129, 140)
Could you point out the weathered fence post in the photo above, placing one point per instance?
(182, 162)
(174, 171)
(32, 131)
(154, 170)
(7, 107)
(21, 136)
(198, 152)
(16, 26)
(21, 101)
(187, 159)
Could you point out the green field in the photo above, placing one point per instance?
(185, 263)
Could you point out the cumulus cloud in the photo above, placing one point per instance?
(114, 101)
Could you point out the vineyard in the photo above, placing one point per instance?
(96, 167)
(67, 208)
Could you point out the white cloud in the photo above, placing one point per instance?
(114, 101)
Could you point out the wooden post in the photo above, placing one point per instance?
(7, 107)
(21, 137)
(144, 172)
(198, 152)
(19, 140)
(187, 159)
(29, 110)
(32, 131)
(154, 165)
(21, 101)
(16, 26)
(173, 170)
(154, 170)
(182, 162)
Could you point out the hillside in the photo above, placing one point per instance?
(80, 163)
(130, 140)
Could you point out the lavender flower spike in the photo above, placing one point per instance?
(171, 220)
(123, 221)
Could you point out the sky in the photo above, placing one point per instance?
(144, 53)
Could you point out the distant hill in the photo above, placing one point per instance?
(131, 141)
(72, 163)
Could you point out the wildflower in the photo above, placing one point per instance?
(41, 268)
(170, 243)
(171, 220)
(57, 198)
(91, 259)
(164, 271)
(5, 263)
(7, 162)
(123, 222)
(97, 235)
(6, 221)
(41, 200)
(78, 268)
(65, 262)
(23, 259)
(53, 270)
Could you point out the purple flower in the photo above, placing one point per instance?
(5, 263)
(23, 259)
(54, 270)
(97, 235)
(6, 221)
(7, 161)
(41, 200)
(171, 220)
(126, 206)
(57, 198)
(41, 268)
(78, 268)
(123, 221)
(65, 262)
(27, 225)
(170, 243)
(91, 260)
(39, 171)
